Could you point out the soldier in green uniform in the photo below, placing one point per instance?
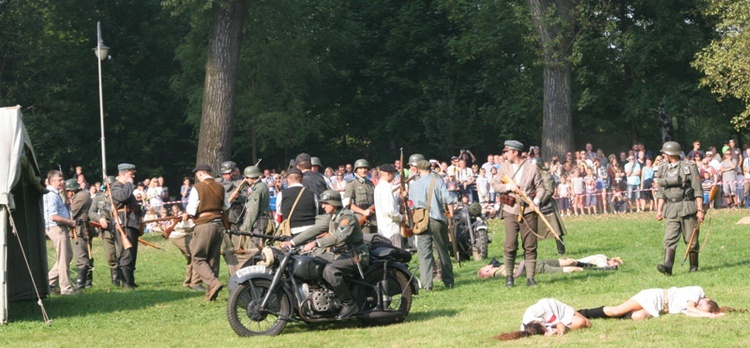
(349, 251)
(359, 196)
(680, 202)
(80, 201)
(548, 206)
(256, 206)
(101, 212)
(230, 180)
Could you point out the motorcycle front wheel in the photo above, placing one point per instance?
(397, 292)
(481, 245)
(244, 313)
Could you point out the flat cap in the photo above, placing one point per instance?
(303, 157)
(124, 167)
(423, 165)
(293, 170)
(387, 167)
(202, 168)
(513, 145)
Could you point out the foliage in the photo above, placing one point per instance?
(723, 61)
(162, 313)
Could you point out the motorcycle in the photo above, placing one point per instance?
(280, 286)
(471, 232)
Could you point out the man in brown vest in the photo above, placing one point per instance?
(206, 206)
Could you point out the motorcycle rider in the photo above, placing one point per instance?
(348, 255)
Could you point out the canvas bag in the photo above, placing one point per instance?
(285, 227)
(421, 216)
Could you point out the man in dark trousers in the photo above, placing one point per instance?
(129, 212)
(206, 207)
(80, 201)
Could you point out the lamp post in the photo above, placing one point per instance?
(101, 52)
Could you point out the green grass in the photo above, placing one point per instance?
(160, 313)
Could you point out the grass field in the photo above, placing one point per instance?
(161, 314)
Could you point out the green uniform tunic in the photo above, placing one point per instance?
(679, 186)
(361, 193)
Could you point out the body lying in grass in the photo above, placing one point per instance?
(548, 317)
(563, 265)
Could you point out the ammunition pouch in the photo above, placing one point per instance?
(507, 199)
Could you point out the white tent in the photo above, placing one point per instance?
(21, 201)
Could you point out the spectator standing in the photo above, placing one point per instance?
(633, 179)
(483, 187)
(185, 191)
(647, 182)
(579, 190)
(696, 150)
(57, 225)
(728, 179)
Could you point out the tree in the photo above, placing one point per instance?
(724, 61)
(555, 23)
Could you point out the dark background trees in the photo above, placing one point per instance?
(344, 80)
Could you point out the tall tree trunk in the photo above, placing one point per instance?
(554, 20)
(217, 116)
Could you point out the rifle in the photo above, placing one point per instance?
(452, 232)
(147, 243)
(406, 232)
(166, 218)
(711, 196)
(363, 218)
(116, 219)
(525, 197)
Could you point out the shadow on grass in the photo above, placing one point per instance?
(724, 265)
(95, 302)
(354, 323)
(578, 276)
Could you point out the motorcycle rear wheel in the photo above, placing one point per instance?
(481, 245)
(245, 316)
(398, 290)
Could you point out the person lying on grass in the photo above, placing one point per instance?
(547, 317)
(689, 300)
(563, 265)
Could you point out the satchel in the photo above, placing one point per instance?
(421, 219)
(507, 199)
(285, 227)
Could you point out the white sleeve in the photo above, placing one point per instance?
(193, 201)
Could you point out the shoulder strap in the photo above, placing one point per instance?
(295, 202)
(517, 169)
(429, 194)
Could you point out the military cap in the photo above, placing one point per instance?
(124, 167)
(72, 185)
(202, 168)
(303, 157)
(387, 167)
(293, 170)
(512, 145)
(423, 165)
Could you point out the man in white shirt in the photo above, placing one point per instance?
(386, 207)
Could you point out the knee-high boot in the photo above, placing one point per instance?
(666, 268)
(81, 280)
(593, 313)
(693, 261)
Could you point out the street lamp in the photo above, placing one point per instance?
(101, 52)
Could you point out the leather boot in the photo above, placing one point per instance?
(509, 281)
(560, 247)
(89, 278)
(666, 268)
(693, 261)
(127, 278)
(81, 280)
(593, 313)
(348, 309)
(115, 277)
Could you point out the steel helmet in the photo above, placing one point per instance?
(671, 148)
(475, 209)
(361, 163)
(251, 172)
(331, 197)
(111, 179)
(227, 167)
(72, 185)
(413, 159)
(314, 161)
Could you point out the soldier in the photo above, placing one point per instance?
(350, 253)
(680, 200)
(130, 214)
(57, 223)
(101, 212)
(359, 197)
(230, 180)
(526, 178)
(80, 202)
(257, 204)
(413, 172)
(205, 206)
(313, 181)
(316, 167)
(437, 231)
(548, 206)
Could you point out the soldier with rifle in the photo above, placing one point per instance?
(679, 201)
(522, 178)
(80, 202)
(129, 214)
(431, 187)
(257, 205)
(232, 183)
(359, 197)
(99, 214)
(548, 206)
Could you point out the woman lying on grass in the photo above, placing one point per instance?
(564, 265)
(690, 300)
(547, 317)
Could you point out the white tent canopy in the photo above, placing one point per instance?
(20, 199)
